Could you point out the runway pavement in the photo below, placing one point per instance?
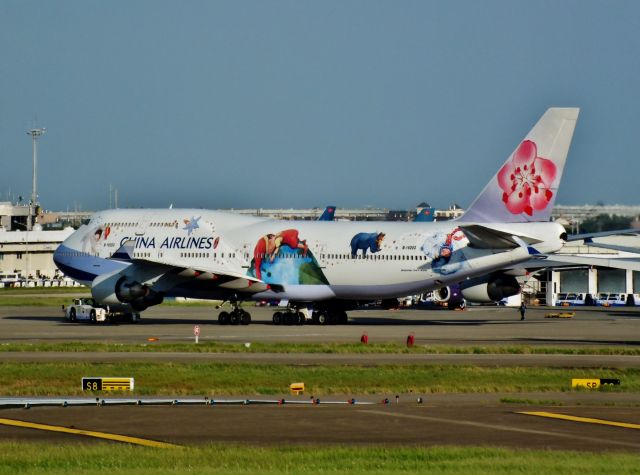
(433, 423)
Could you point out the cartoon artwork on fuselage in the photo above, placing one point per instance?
(283, 258)
(445, 251)
(366, 241)
(91, 239)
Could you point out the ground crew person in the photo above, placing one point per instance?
(523, 309)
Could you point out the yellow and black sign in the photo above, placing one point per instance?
(107, 384)
(296, 388)
(593, 383)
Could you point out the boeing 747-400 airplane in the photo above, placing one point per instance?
(133, 259)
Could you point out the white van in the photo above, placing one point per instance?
(10, 278)
(572, 299)
(617, 300)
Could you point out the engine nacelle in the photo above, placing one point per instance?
(117, 289)
(128, 291)
(495, 289)
(442, 295)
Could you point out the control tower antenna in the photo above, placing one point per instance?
(35, 135)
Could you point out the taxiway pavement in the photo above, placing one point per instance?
(474, 326)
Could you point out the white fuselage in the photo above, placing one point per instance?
(300, 260)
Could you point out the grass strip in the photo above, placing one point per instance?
(329, 348)
(212, 379)
(6, 291)
(35, 301)
(42, 458)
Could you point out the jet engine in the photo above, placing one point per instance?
(496, 288)
(449, 296)
(442, 295)
(117, 289)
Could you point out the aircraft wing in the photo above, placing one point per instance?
(176, 271)
(483, 237)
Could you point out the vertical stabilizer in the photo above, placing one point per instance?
(525, 188)
(426, 215)
(327, 214)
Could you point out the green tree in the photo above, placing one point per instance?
(605, 222)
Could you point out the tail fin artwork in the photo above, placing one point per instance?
(525, 188)
(328, 213)
(426, 215)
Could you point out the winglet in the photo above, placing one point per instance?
(125, 253)
(525, 187)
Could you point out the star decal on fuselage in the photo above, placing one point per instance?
(191, 224)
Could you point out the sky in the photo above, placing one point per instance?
(298, 104)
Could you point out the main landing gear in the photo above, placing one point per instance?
(289, 317)
(330, 317)
(320, 317)
(237, 316)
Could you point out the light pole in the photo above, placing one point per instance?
(35, 134)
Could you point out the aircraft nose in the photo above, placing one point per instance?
(57, 255)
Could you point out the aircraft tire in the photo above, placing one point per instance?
(223, 318)
(322, 318)
(245, 319)
(235, 317)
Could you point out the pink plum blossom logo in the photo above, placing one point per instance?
(526, 180)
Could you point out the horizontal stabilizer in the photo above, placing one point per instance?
(613, 247)
(618, 263)
(589, 236)
(483, 237)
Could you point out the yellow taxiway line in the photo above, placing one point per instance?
(588, 420)
(89, 433)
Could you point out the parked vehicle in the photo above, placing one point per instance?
(617, 300)
(574, 299)
(88, 310)
(10, 279)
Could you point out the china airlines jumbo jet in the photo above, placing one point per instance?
(133, 259)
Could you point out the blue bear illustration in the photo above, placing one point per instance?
(364, 241)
